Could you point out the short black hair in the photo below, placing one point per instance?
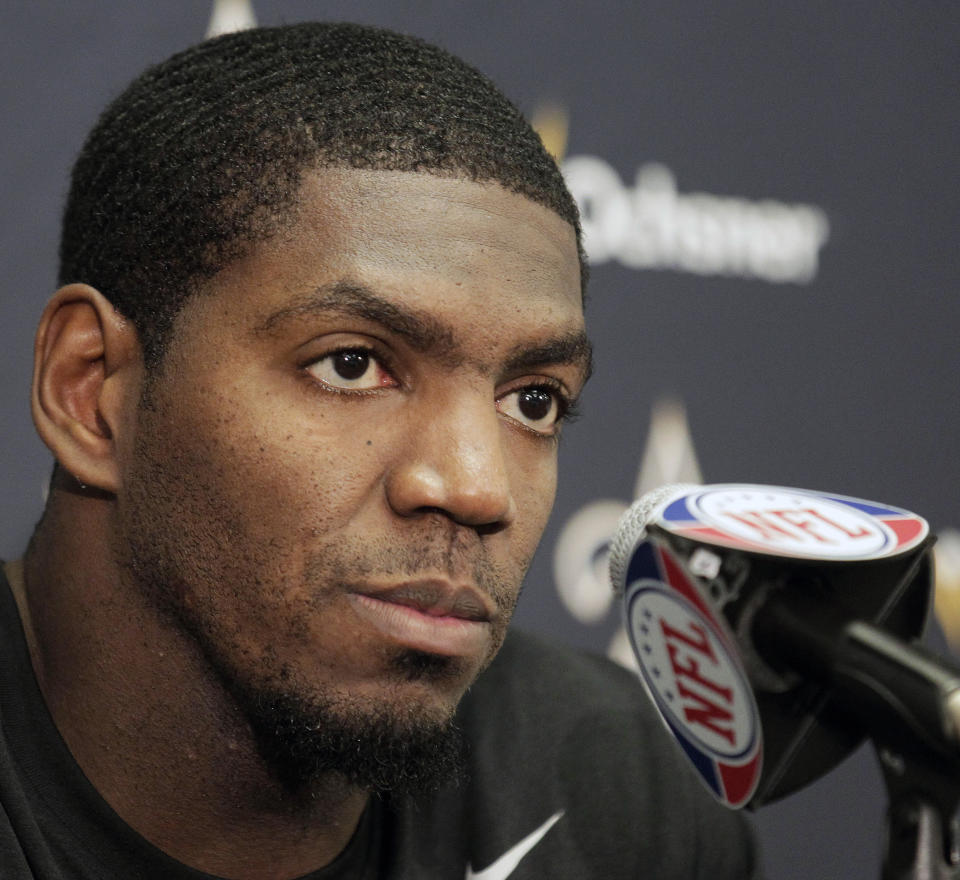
(203, 154)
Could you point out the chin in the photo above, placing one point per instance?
(399, 746)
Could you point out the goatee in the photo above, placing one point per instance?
(380, 750)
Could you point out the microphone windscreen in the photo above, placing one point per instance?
(633, 526)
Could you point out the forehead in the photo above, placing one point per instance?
(407, 229)
(425, 221)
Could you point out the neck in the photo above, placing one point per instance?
(150, 723)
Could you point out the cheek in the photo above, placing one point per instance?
(286, 475)
(535, 486)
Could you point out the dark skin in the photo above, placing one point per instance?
(350, 452)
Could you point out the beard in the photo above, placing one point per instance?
(305, 744)
(192, 560)
(308, 737)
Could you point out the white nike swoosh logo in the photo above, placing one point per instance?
(505, 865)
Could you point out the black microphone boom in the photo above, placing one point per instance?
(775, 630)
(898, 691)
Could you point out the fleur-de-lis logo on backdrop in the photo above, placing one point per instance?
(582, 551)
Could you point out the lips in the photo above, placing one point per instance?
(429, 616)
(436, 599)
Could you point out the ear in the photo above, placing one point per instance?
(86, 376)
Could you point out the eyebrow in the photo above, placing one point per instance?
(572, 348)
(424, 332)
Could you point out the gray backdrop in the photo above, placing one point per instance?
(785, 263)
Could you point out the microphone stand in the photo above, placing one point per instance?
(905, 698)
(921, 832)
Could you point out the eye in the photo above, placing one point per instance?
(351, 369)
(538, 407)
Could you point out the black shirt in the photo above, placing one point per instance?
(570, 777)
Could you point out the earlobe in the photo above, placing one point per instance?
(86, 364)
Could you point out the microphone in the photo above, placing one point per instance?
(773, 626)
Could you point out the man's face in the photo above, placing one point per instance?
(341, 473)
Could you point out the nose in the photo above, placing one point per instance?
(453, 461)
